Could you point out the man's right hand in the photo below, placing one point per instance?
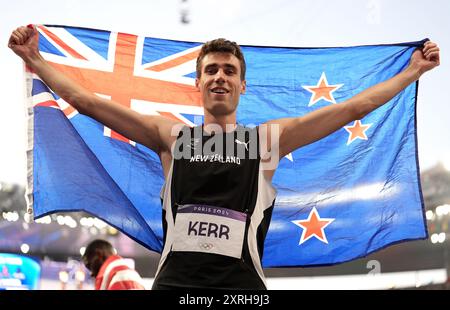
(153, 131)
(24, 42)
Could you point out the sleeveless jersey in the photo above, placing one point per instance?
(217, 206)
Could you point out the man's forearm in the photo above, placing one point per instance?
(377, 95)
(71, 92)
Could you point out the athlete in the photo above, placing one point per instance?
(218, 197)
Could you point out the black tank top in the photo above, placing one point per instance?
(217, 207)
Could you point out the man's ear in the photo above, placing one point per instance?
(243, 86)
(197, 81)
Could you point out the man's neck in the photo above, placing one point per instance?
(226, 122)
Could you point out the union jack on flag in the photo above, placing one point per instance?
(128, 69)
(339, 199)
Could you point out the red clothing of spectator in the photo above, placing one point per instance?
(115, 274)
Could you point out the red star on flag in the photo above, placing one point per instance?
(322, 90)
(357, 131)
(313, 226)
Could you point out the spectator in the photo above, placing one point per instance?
(111, 271)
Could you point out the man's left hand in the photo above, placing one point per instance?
(426, 58)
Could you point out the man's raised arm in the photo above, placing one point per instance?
(298, 131)
(151, 131)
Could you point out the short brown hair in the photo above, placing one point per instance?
(221, 46)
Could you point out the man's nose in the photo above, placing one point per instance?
(220, 76)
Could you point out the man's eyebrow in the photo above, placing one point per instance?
(230, 66)
(216, 65)
(210, 65)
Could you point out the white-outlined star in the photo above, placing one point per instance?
(322, 90)
(313, 226)
(357, 131)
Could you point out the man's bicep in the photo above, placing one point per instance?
(141, 128)
(296, 132)
(167, 132)
(280, 132)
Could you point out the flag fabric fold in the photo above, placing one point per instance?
(341, 198)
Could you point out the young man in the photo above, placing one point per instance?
(111, 271)
(218, 197)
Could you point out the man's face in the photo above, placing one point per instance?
(220, 83)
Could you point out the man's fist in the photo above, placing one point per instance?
(426, 58)
(24, 41)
